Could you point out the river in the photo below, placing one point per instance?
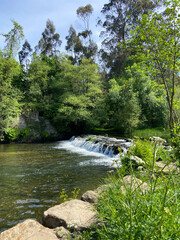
(32, 176)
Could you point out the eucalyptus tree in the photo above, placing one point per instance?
(24, 54)
(13, 39)
(50, 41)
(89, 48)
(121, 16)
(74, 46)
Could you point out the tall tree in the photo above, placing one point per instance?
(121, 16)
(89, 46)
(157, 42)
(13, 39)
(10, 96)
(50, 41)
(24, 54)
(84, 13)
(81, 103)
(74, 45)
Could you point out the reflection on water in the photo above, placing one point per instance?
(32, 176)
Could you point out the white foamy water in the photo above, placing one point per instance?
(99, 152)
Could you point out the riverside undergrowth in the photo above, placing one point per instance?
(146, 208)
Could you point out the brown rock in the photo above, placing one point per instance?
(137, 161)
(28, 230)
(73, 214)
(166, 168)
(134, 183)
(90, 196)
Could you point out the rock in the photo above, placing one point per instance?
(73, 214)
(137, 161)
(166, 168)
(62, 233)
(157, 140)
(136, 184)
(29, 229)
(140, 168)
(90, 196)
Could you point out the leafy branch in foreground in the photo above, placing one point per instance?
(156, 41)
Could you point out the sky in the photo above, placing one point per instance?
(33, 14)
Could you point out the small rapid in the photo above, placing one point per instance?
(104, 150)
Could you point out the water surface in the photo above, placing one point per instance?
(32, 176)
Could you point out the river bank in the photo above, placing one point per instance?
(69, 219)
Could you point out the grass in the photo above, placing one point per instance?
(141, 133)
(129, 213)
(150, 132)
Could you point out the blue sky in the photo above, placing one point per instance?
(33, 14)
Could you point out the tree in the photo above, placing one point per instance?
(13, 39)
(38, 78)
(124, 109)
(24, 54)
(84, 13)
(89, 48)
(50, 41)
(82, 99)
(121, 16)
(10, 96)
(157, 43)
(74, 46)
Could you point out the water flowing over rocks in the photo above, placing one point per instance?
(101, 144)
(73, 214)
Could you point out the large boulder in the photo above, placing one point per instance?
(73, 214)
(29, 229)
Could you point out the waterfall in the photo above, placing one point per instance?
(101, 144)
(99, 150)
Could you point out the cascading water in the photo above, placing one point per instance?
(103, 149)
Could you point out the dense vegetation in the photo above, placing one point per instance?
(135, 86)
(143, 204)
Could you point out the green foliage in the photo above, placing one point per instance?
(143, 149)
(124, 106)
(156, 42)
(65, 197)
(135, 100)
(151, 96)
(50, 41)
(129, 212)
(13, 39)
(79, 105)
(175, 139)
(14, 135)
(150, 132)
(10, 96)
(120, 18)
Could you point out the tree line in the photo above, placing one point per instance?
(131, 82)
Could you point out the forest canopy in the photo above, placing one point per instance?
(131, 82)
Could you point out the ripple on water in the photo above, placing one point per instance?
(36, 206)
(27, 201)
